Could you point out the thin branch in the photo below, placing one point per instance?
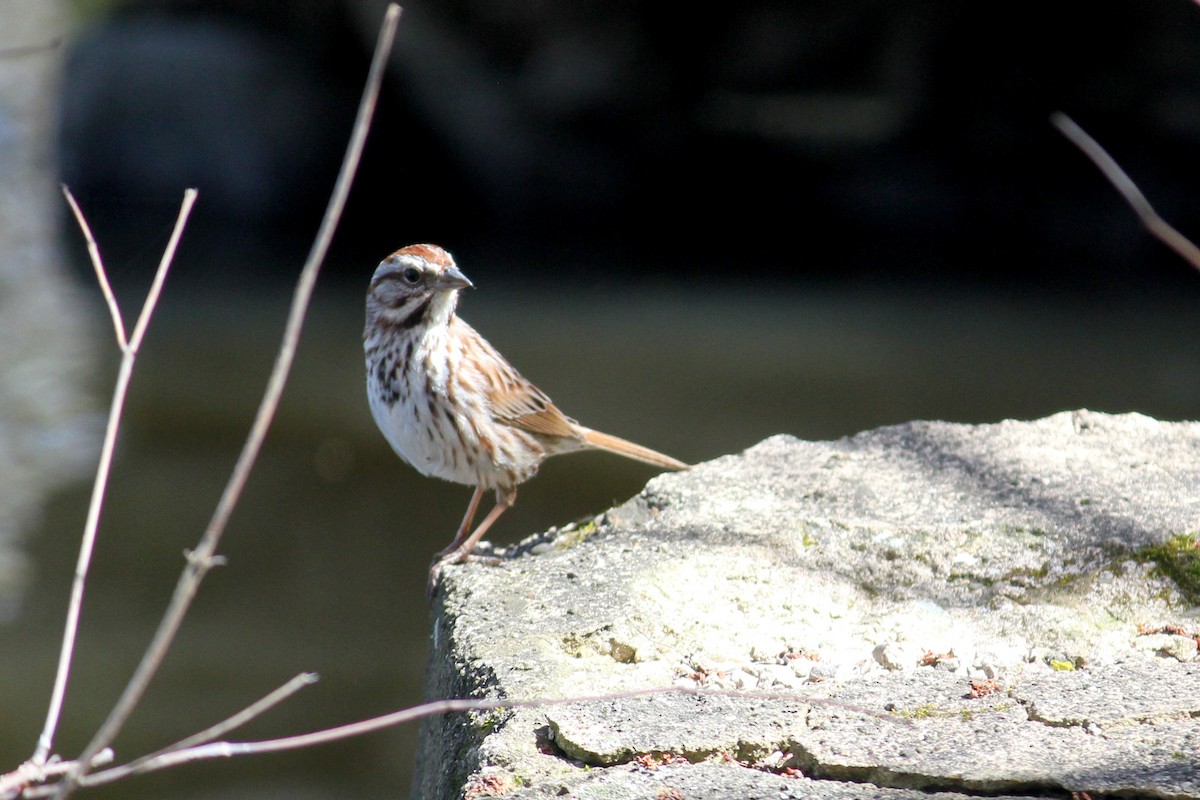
(128, 355)
(229, 749)
(1159, 227)
(250, 712)
(93, 249)
(143, 322)
(203, 558)
(18, 782)
(14, 784)
(205, 736)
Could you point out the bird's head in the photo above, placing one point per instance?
(415, 285)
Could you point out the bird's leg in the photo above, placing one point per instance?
(472, 507)
(462, 546)
(460, 551)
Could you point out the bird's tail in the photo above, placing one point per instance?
(621, 447)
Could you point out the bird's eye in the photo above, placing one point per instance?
(411, 275)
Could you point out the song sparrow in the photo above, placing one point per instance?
(449, 404)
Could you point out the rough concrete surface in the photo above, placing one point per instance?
(929, 609)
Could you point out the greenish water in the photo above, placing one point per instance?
(328, 551)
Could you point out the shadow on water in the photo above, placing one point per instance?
(327, 552)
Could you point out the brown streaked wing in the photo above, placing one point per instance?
(517, 402)
(513, 399)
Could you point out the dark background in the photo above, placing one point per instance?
(693, 228)
(904, 144)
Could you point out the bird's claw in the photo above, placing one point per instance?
(453, 557)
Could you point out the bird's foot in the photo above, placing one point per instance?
(454, 556)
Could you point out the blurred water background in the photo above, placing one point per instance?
(692, 233)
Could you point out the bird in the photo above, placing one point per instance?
(450, 405)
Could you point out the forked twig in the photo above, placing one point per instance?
(212, 732)
(203, 557)
(16, 783)
(35, 780)
(129, 347)
(1159, 227)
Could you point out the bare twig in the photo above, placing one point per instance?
(203, 557)
(1159, 227)
(19, 782)
(14, 784)
(214, 750)
(205, 736)
(93, 249)
(129, 348)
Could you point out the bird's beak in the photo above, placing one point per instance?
(452, 278)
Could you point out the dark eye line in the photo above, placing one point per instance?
(392, 277)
